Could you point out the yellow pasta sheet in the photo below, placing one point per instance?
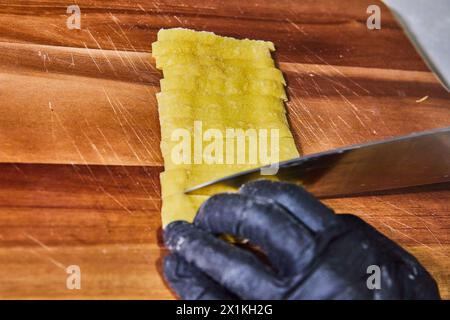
(221, 111)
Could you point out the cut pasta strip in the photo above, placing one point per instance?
(177, 59)
(223, 127)
(219, 86)
(204, 37)
(180, 105)
(220, 49)
(250, 155)
(229, 72)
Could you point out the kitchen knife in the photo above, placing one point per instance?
(417, 159)
(427, 24)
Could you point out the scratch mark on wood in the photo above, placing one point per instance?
(102, 52)
(50, 259)
(38, 242)
(92, 57)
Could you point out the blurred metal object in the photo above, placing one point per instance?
(427, 24)
(416, 159)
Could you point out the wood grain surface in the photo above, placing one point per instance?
(79, 131)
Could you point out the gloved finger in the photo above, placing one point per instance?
(237, 270)
(287, 243)
(419, 283)
(303, 205)
(190, 283)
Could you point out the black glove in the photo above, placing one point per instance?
(313, 253)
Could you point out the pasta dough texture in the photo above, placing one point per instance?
(221, 111)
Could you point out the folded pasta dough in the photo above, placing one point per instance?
(218, 84)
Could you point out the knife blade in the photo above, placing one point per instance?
(426, 24)
(417, 159)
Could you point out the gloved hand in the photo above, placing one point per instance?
(313, 253)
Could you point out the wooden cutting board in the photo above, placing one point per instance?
(79, 132)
